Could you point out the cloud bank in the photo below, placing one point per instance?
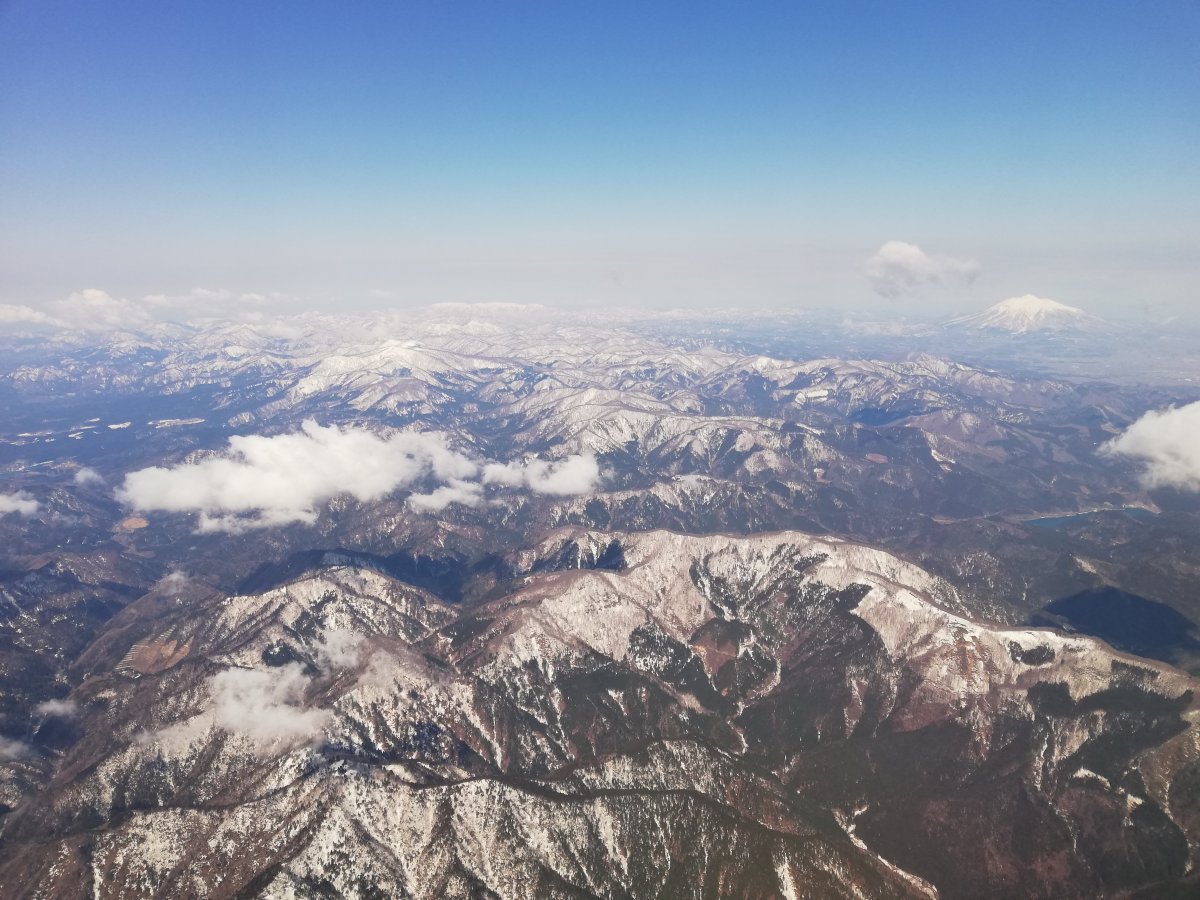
(89, 310)
(95, 311)
(260, 481)
(20, 503)
(14, 314)
(206, 304)
(265, 481)
(898, 267)
(1168, 442)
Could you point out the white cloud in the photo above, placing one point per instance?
(573, 475)
(96, 310)
(23, 315)
(506, 474)
(265, 481)
(1168, 442)
(266, 706)
(88, 475)
(899, 267)
(65, 709)
(10, 749)
(262, 704)
(204, 304)
(339, 648)
(20, 503)
(465, 492)
(174, 579)
(261, 481)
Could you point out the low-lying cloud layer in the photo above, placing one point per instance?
(265, 481)
(15, 314)
(268, 706)
(20, 503)
(1168, 442)
(898, 267)
(339, 648)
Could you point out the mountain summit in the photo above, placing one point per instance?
(1028, 313)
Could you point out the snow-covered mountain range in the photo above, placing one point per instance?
(698, 689)
(474, 604)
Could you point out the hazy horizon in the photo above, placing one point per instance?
(673, 155)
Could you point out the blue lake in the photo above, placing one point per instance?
(1135, 512)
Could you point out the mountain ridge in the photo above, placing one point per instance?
(509, 691)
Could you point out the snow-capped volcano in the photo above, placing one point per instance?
(1021, 315)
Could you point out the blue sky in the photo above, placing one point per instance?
(602, 152)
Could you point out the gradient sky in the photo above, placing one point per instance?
(616, 153)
